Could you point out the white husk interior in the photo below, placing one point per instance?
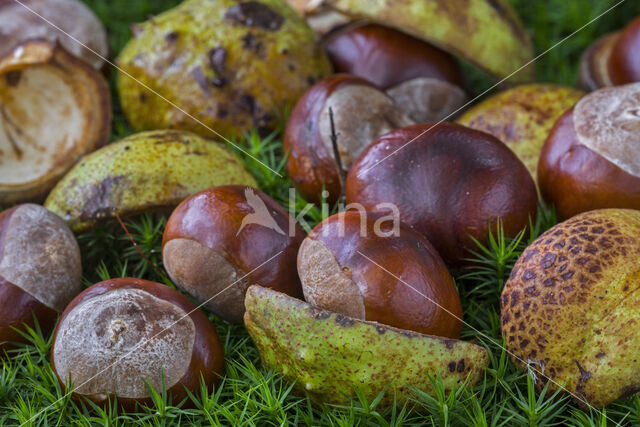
(41, 122)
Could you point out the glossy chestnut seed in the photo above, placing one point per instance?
(591, 159)
(612, 60)
(361, 113)
(220, 241)
(624, 63)
(594, 63)
(409, 288)
(120, 334)
(425, 82)
(448, 182)
(40, 270)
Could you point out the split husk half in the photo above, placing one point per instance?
(54, 108)
(330, 356)
(487, 33)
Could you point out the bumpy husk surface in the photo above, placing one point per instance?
(330, 355)
(487, 33)
(522, 117)
(571, 306)
(145, 171)
(232, 65)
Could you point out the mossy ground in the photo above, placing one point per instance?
(251, 395)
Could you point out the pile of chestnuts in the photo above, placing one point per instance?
(420, 182)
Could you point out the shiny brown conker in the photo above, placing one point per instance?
(221, 240)
(448, 182)
(425, 82)
(361, 113)
(366, 266)
(591, 159)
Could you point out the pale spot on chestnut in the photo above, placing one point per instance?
(361, 114)
(208, 276)
(427, 99)
(40, 255)
(112, 343)
(607, 122)
(325, 283)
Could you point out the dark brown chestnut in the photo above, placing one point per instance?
(624, 63)
(425, 82)
(591, 159)
(448, 182)
(40, 270)
(361, 113)
(612, 60)
(409, 288)
(220, 241)
(120, 334)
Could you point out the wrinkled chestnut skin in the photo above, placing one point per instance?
(624, 63)
(576, 179)
(310, 165)
(448, 184)
(408, 256)
(214, 217)
(18, 308)
(207, 359)
(387, 57)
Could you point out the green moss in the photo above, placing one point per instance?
(253, 395)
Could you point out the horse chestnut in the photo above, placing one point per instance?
(448, 181)
(613, 59)
(220, 241)
(40, 270)
(424, 81)
(119, 334)
(312, 164)
(337, 267)
(591, 159)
